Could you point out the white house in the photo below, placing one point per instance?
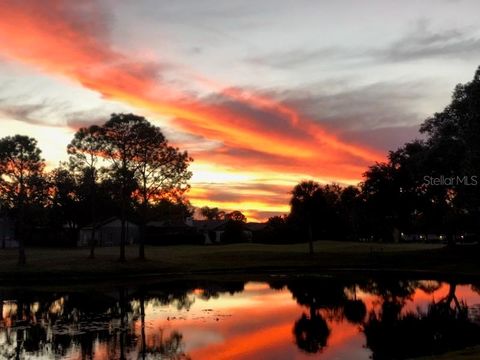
(212, 230)
(107, 233)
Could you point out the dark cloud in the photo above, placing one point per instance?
(78, 119)
(425, 43)
(25, 113)
(363, 107)
(354, 109)
(265, 118)
(301, 57)
(39, 113)
(49, 113)
(377, 116)
(387, 138)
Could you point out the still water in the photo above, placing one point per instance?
(324, 318)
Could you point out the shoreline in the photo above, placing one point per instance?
(242, 260)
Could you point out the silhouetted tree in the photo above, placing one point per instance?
(143, 165)
(453, 140)
(63, 198)
(213, 213)
(317, 209)
(162, 170)
(304, 204)
(395, 190)
(119, 143)
(21, 180)
(236, 216)
(84, 151)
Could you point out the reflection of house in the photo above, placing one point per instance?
(7, 233)
(107, 233)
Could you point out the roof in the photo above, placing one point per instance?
(209, 224)
(167, 223)
(103, 223)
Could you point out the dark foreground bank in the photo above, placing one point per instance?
(73, 264)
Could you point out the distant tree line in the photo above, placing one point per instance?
(428, 186)
(126, 168)
(123, 168)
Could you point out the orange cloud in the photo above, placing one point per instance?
(258, 133)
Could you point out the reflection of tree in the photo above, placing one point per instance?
(391, 290)
(311, 332)
(429, 286)
(169, 347)
(443, 327)
(50, 324)
(326, 299)
(354, 309)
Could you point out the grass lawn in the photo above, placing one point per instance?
(246, 258)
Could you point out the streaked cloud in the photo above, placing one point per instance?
(253, 91)
(424, 42)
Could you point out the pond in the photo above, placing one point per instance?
(282, 318)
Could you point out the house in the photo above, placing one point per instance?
(7, 233)
(107, 233)
(170, 232)
(253, 230)
(212, 230)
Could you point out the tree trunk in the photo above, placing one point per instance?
(143, 226)
(122, 231)
(93, 216)
(141, 245)
(310, 238)
(451, 240)
(22, 260)
(122, 239)
(92, 242)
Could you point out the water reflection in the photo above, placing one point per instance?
(289, 318)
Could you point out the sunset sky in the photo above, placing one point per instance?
(262, 94)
